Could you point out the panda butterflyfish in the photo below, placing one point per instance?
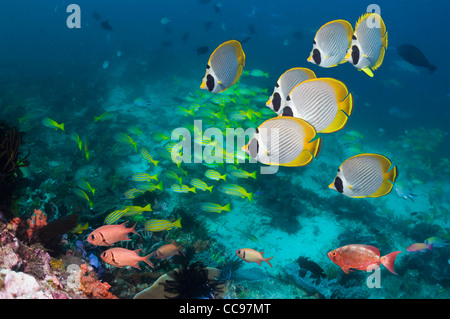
(331, 43)
(365, 175)
(224, 67)
(286, 82)
(369, 43)
(284, 141)
(325, 103)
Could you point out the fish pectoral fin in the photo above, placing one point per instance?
(368, 71)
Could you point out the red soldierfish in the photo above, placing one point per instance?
(109, 234)
(167, 251)
(420, 247)
(251, 255)
(121, 257)
(361, 257)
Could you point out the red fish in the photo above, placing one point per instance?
(121, 257)
(251, 255)
(167, 251)
(109, 234)
(361, 257)
(420, 247)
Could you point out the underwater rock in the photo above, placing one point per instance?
(19, 285)
(250, 274)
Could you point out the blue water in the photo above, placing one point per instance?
(46, 66)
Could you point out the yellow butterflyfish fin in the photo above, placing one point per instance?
(384, 189)
(368, 71)
(311, 151)
(392, 174)
(338, 123)
(203, 85)
(380, 59)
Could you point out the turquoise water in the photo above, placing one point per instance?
(142, 75)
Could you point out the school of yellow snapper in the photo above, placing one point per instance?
(300, 112)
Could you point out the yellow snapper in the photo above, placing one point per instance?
(125, 139)
(240, 173)
(146, 155)
(76, 138)
(236, 190)
(158, 136)
(81, 193)
(86, 149)
(369, 43)
(133, 129)
(84, 185)
(151, 187)
(197, 183)
(224, 67)
(143, 177)
(286, 82)
(331, 43)
(157, 225)
(48, 122)
(108, 115)
(325, 103)
(133, 210)
(365, 175)
(214, 175)
(80, 228)
(133, 193)
(181, 188)
(114, 216)
(214, 208)
(284, 141)
(174, 176)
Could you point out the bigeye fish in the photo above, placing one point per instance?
(224, 67)
(325, 103)
(157, 225)
(365, 175)
(107, 235)
(284, 141)
(48, 122)
(286, 82)
(331, 43)
(369, 43)
(214, 208)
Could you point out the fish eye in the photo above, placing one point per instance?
(287, 111)
(334, 253)
(239, 252)
(92, 237)
(316, 56)
(338, 185)
(210, 82)
(253, 147)
(276, 101)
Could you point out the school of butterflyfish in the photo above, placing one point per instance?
(300, 112)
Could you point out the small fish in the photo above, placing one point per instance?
(236, 190)
(121, 257)
(436, 241)
(146, 155)
(114, 216)
(214, 175)
(325, 103)
(133, 129)
(365, 175)
(108, 115)
(181, 188)
(214, 208)
(240, 173)
(256, 73)
(108, 235)
(86, 149)
(420, 247)
(105, 64)
(133, 210)
(286, 82)
(284, 141)
(80, 228)
(140, 101)
(143, 177)
(105, 25)
(414, 56)
(369, 43)
(151, 187)
(76, 138)
(165, 20)
(224, 67)
(48, 122)
(81, 183)
(251, 255)
(125, 139)
(157, 225)
(361, 257)
(331, 43)
(133, 193)
(174, 176)
(197, 183)
(81, 193)
(167, 251)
